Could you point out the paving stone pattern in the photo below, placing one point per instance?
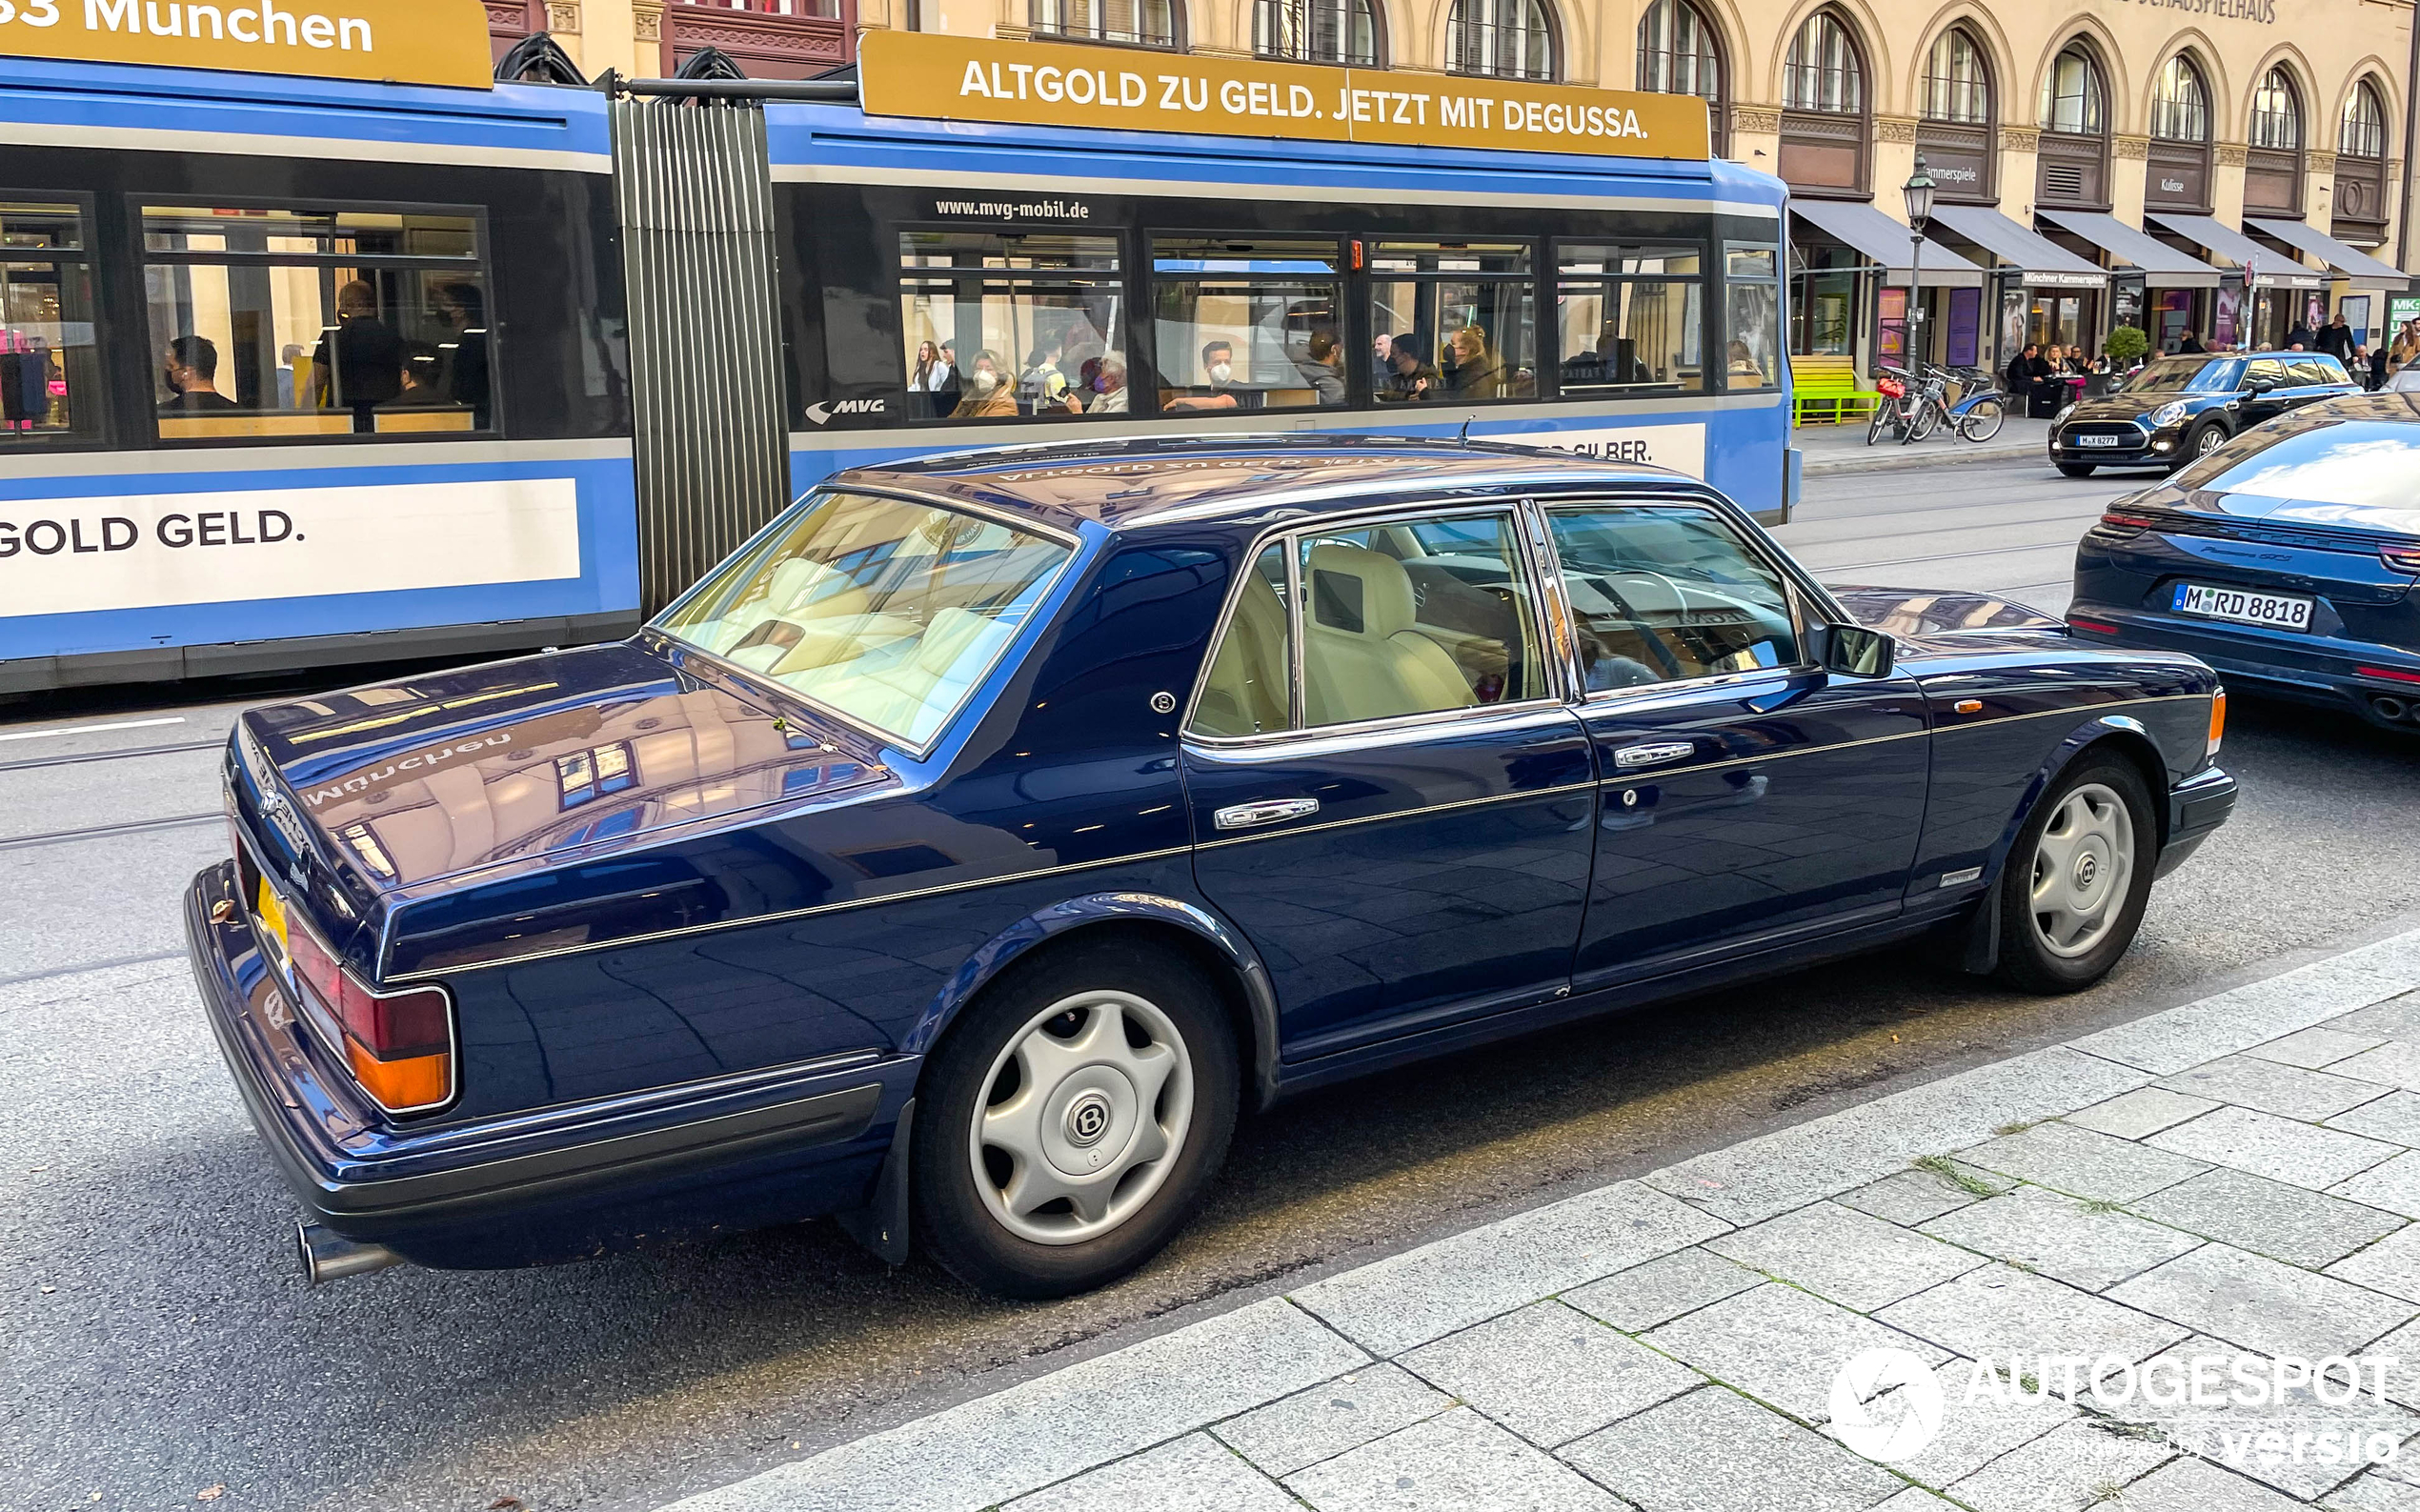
(2232, 1178)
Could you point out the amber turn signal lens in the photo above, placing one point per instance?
(417, 1082)
(2218, 723)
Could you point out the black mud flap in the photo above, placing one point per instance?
(881, 1225)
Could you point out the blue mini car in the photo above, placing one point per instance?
(2286, 560)
(2175, 409)
(967, 852)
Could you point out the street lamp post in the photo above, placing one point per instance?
(1919, 190)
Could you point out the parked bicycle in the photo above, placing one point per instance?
(1915, 404)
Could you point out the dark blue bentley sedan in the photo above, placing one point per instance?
(2288, 560)
(968, 852)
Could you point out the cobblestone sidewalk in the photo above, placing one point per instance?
(2231, 1179)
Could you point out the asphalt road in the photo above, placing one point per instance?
(158, 1344)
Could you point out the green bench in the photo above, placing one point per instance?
(1824, 389)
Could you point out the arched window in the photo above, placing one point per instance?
(1507, 39)
(1316, 31)
(1822, 72)
(2073, 100)
(1678, 54)
(2181, 103)
(2363, 130)
(1957, 82)
(2277, 114)
(1136, 23)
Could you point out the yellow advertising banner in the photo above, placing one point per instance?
(937, 77)
(379, 41)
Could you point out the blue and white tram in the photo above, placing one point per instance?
(303, 371)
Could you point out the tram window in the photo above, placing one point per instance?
(50, 371)
(996, 327)
(1247, 325)
(1631, 319)
(1458, 319)
(1753, 297)
(314, 322)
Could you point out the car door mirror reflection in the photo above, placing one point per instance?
(1854, 650)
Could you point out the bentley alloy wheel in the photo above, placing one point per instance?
(2081, 866)
(1074, 1116)
(2073, 892)
(1084, 1109)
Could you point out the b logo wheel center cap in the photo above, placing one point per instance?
(2087, 868)
(1088, 1119)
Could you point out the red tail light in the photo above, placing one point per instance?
(2391, 673)
(2125, 522)
(400, 1045)
(2095, 626)
(2400, 560)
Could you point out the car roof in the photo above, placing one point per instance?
(1131, 483)
(2385, 404)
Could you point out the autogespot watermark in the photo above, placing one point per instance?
(1888, 1404)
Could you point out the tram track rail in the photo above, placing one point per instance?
(131, 753)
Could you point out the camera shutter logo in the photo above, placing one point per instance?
(1887, 1405)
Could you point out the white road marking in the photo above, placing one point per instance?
(88, 729)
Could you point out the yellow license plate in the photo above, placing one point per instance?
(272, 914)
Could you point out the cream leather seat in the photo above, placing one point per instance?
(909, 692)
(1245, 692)
(1362, 655)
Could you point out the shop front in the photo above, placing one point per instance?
(2259, 297)
(1852, 272)
(2036, 285)
(2147, 276)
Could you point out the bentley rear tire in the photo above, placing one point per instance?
(1073, 1119)
(2072, 892)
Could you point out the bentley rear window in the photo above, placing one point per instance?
(885, 611)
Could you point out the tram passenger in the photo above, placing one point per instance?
(1326, 373)
(1218, 365)
(191, 370)
(422, 371)
(1409, 378)
(463, 306)
(364, 367)
(289, 357)
(1478, 372)
(1107, 382)
(921, 379)
(1042, 386)
(987, 391)
(945, 381)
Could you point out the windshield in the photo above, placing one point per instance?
(886, 612)
(2183, 374)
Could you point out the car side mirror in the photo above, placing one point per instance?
(1854, 650)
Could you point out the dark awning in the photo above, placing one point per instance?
(2351, 262)
(2042, 261)
(2272, 268)
(1885, 242)
(2163, 266)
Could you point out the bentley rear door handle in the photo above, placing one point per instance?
(1648, 756)
(1267, 811)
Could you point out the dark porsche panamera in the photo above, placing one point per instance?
(966, 854)
(2290, 560)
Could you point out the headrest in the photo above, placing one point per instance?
(1355, 591)
(956, 634)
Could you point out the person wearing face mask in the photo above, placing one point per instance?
(190, 372)
(1218, 365)
(986, 393)
(1108, 385)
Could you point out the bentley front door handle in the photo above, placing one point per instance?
(1266, 811)
(1631, 756)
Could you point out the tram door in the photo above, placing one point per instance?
(711, 440)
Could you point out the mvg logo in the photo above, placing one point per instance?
(821, 412)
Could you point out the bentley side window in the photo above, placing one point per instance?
(1415, 616)
(1247, 690)
(1666, 594)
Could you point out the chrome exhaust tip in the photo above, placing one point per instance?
(327, 1256)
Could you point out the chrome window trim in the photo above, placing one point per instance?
(1290, 533)
(1073, 542)
(1760, 551)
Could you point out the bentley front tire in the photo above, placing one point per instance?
(1073, 1119)
(2072, 894)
